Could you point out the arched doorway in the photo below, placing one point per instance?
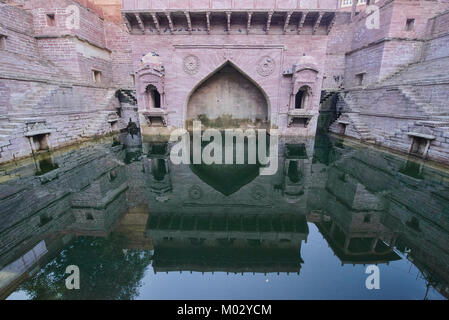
(228, 99)
(153, 97)
(302, 97)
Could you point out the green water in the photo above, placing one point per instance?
(139, 227)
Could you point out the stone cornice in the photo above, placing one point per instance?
(68, 35)
(229, 46)
(380, 41)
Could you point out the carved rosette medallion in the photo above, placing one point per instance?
(191, 64)
(195, 193)
(258, 193)
(266, 66)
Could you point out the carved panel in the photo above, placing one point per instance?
(191, 64)
(266, 66)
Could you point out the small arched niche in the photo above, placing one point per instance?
(302, 97)
(158, 169)
(228, 99)
(294, 171)
(153, 97)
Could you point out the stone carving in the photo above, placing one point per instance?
(258, 192)
(35, 128)
(266, 66)
(195, 192)
(152, 61)
(227, 55)
(191, 64)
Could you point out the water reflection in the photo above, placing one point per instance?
(118, 208)
(257, 243)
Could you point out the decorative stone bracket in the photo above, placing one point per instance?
(152, 114)
(299, 114)
(113, 117)
(36, 127)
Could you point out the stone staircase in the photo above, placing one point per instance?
(350, 112)
(106, 100)
(24, 111)
(415, 97)
(13, 124)
(430, 71)
(326, 95)
(96, 125)
(394, 74)
(361, 128)
(99, 124)
(7, 127)
(32, 101)
(399, 101)
(127, 96)
(347, 103)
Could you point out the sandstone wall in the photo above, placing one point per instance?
(404, 90)
(47, 77)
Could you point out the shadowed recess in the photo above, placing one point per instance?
(228, 99)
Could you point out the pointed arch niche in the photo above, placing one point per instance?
(305, 87)
(228, 98)
(151, 95)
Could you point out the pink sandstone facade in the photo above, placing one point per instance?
(256, 63)
(276, 45)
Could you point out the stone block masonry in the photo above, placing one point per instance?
(76, 189)
(56, 78)
(396, 81)
(67, 75)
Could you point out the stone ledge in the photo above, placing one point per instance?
(68, 35)
(37, 132)
(421, 135)
(434, 124)
(101, 203)
(154, 112)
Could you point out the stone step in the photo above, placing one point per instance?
(24, 118)
(8, 126)
(4, 137)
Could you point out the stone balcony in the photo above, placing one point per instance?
(300, 117)
(155, 116)
(230, 16)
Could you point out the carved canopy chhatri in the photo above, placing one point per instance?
(151, 72)
(149, 76)
(305, 73)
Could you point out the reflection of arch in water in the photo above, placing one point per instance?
(223, 242)
(228, 98)
(158, 169)
(294, 173)
(228, 179)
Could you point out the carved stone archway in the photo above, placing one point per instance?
(228, 98)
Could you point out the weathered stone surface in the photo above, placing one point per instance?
(392, 78)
